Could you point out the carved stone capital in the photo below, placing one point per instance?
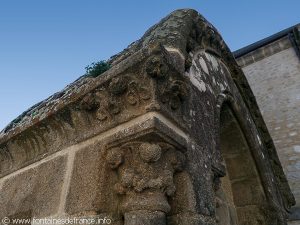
(145, 174)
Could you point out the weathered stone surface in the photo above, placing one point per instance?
(144, 217)
(148, 141)
(35, 191)
(94, 184)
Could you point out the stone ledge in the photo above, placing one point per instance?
(35, 190)
(264, 52)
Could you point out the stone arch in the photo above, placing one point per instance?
(240, 197)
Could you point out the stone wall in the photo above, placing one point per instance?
(273, 72)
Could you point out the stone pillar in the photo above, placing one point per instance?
(145, 180)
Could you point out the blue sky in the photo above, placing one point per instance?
(44, 45)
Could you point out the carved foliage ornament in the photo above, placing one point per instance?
(129, 90)
(174, 94)
(172, 90)
(145, 174)
(121, 92)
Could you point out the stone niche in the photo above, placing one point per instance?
(170, 134)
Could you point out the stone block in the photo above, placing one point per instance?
(251, 215)
(90, 186)
(247, 192)
(34, 191)
(240, 166)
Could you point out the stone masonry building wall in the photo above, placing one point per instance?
(273, 72)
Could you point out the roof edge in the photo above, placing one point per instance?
(252, 47)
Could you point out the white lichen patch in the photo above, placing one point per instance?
(222, 71)
(214, 80)
(213, 60)
(195, 78)
(209, 88)
(292, 134)
(192, 113)
(196, 67)
(222, 87)
(203, 65)
(258, 138)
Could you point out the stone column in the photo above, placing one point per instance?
(145, 180)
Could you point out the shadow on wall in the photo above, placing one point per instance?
(241, 195)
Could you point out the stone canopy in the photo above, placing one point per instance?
(170, 134)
